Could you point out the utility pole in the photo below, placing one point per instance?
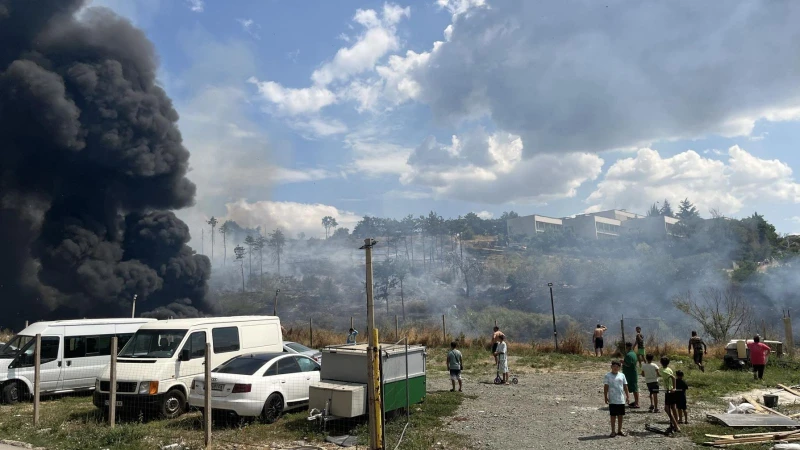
(275, 307)
(553, 308)
(373, 366)
(133, 309)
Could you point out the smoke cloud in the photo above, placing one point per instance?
(91, 163)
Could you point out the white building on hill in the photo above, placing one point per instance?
(598, 225)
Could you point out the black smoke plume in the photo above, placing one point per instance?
(91, 162)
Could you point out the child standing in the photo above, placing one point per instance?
(668, 381)
(680, 396)
(454, 365)
(640, 353)
(650, 374)
(615, 390)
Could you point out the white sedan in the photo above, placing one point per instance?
(258, 385)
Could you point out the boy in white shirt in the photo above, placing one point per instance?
(650, 374)
(615, 390)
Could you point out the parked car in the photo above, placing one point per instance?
(258, 385)
(294, 347)
(74, 354)
(156, 367)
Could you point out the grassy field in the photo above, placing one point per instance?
(72, 422)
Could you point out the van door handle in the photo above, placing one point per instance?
(59, 364)
(69, 363)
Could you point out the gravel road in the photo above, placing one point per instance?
(552, 411)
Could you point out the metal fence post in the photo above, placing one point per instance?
(444, 331)
(112, 387)
(396, 329)
(37, 378)
(311, 332)
(207, 396)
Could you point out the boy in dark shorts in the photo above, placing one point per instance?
(615, 391)
(640, 353)
(680, 397)
(699, 347)
(650, 374)
(598, 339)
(668, 381)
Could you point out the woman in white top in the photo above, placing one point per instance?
(502, 358)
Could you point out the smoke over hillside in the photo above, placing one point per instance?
(91, 163)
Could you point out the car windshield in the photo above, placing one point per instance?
(299, 348)
(12, 347)
(243, 365)
(153, 344)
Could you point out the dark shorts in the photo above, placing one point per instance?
(616, 410)
(455, 374)
(598, 342)
(494, 347)
(653, 387)
(669, 398)
(698, 357)
(680, 401)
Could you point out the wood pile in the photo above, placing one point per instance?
(758, 438)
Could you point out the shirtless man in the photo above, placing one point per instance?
(598, 339)
(496, 340)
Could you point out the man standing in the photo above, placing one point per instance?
(598, 339)
(758, 356)
(697, 345)
(615, 391)
(640, 346)
(631, 375)
(501, 353)
(351, 336)
(495, 341)
(454, 365)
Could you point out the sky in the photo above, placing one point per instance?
(297, 110)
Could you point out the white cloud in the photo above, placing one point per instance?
(372, 155)
(290, 216)
(478, 167)
(635, 183)
(606, 78)
(196, 5)
(317, 127)
(250, 27)
(795, 219)
(295, 101)
(485, 215)
(458, 7)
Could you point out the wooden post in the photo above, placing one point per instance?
(26, 324)
(396, 329)
(787, 327)
(622, 326)
(207, 396)
(495, 322)
(37, 378)
(311, 332)
(351, 321)
(112, 386)
(764, 330)
(444, 331)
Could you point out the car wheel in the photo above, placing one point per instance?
(12, 393)
(173, 405)
(273, 408)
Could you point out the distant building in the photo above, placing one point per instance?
(598, 225)
(530, 225)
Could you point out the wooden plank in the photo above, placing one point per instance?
(755, 404)
(754, 420)
(789, 390)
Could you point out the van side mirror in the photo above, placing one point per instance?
(184, 355)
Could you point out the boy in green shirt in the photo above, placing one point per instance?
(668, 383)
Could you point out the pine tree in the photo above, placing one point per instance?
(687, 211)
(653, 211)
(666, 209)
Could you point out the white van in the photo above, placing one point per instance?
(156, 367)
(74, 354)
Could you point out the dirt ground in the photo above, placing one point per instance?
(552, 410)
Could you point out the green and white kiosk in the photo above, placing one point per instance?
(342, 389)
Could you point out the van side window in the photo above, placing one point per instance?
(225, 339)
(49, 351)
(196, 345)
(98, 346)
(74, 347)
(123, 339)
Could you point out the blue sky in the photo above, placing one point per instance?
(296, 110)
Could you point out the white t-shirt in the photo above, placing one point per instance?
(502, 350)
(650, 373)
(616, 388)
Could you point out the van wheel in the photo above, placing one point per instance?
(173, 405)
(13, 392)
(273, 408)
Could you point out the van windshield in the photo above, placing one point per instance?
(12, 347)
(153, 344)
